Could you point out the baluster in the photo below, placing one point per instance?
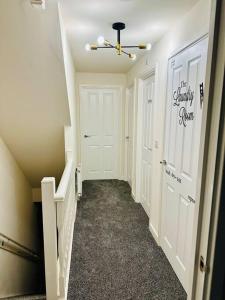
(60, 225)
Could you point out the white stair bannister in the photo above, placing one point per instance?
(59, 210)
(50, 236)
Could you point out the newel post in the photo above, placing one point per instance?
(50, 237)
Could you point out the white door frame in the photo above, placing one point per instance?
(119, 88)
(127, 116)
(134, 157)
(126, 133)
(153, 71)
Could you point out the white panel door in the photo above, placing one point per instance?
(129, 136)
(186, 72)
(147, 140)
(100, 133)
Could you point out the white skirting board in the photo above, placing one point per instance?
(145, 209)
(154, 233)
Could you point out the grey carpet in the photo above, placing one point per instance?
(114, 255)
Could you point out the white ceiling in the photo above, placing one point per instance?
(146, 21)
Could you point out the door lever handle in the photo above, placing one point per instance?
(87, 136)
(163, 162)
(191, 199)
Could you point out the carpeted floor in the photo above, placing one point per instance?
(114, 255)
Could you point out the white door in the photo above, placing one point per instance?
(147, 137)
(129, 137)
(100, 133)
(186, 72)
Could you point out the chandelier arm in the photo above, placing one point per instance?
(105, 47)
(130, 46)
(125, 52)
(112, 46)
(109, 46)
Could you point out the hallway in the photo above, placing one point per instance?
(112, 145)
(114, 254)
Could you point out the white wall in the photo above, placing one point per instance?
(71, 139)
(17, 221)
(107, 79)
(189, 28)
(33, 96)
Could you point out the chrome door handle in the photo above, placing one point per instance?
(191, 199)
(163, 162)
(87, 136)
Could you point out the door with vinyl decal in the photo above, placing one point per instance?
(186, 73)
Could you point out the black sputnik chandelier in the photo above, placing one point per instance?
(120, 49)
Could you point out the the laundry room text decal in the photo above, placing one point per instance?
(184, 94)
(168, 172)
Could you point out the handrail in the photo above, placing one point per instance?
(15, 242)
(64, 182)
(16, 248)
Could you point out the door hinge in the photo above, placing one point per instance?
(202, 265)
(201, 86)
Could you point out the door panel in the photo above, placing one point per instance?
(100, 133)
(108, 116)
(110, 123)
(93, 159)
(186, 72)
(172, 121)
(183, 214)
(171, 206)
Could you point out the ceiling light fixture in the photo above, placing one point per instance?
(105, 44)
